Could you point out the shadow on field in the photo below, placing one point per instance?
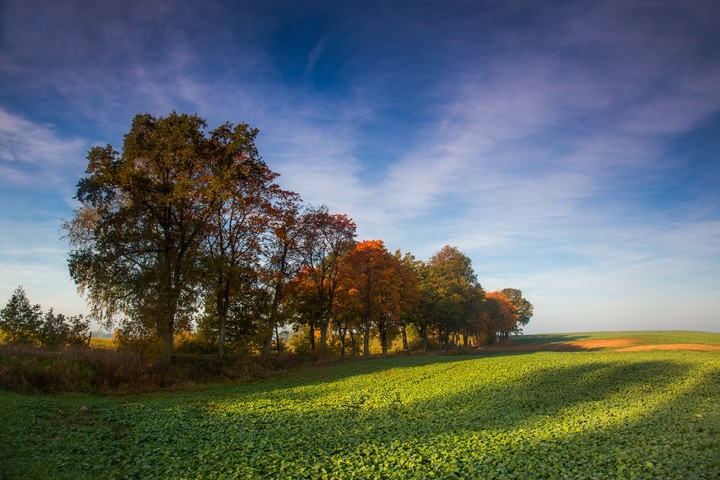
(541, 339)
(319, 375)
(675, 439)
(541, 395)
(256, 427)
(489, 405)
(356, 420)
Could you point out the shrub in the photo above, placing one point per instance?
(25, 368)
(188, 343)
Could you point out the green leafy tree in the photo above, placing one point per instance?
(453, 293)
(136, 239)
(239, 228)
(20, 321)
(409, 286)
(78, 330)
(24, 323)
(524, 307)
(54, 330)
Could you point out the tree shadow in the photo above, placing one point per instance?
(399, 424)
(403, 420)
(541, 339)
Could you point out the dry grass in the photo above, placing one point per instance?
(29, 369)
(102, 343)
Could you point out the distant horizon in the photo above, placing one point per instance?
(513, 335)
(571, 151)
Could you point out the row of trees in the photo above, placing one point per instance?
(187, 226)
(24, 323)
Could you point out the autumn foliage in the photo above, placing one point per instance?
(499, 317)
(187, 230)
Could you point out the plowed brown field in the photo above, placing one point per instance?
(617, 344)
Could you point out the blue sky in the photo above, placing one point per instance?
(570, 149)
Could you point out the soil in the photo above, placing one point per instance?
(699, 347)
(604, 343)
(618, 344)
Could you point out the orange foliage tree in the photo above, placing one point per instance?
(371, 291)
(498, 318)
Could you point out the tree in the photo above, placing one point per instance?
(20, 321)
(409, 285)
(24, 323)
(245, 198)
(499, 317)
(57, 330)
(452, 293)
(427, 303)
(524, 308)
(54, 330)
(136, 238)
(283, 261)
(371, 281)
(327, 238)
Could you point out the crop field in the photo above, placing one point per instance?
(597, 412)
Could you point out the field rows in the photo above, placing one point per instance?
(546, 414)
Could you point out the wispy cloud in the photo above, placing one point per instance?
(33, 154)
(532, 137)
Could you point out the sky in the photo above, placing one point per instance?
(570, 148)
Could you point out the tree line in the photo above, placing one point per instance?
(187, 229)
(21, 322)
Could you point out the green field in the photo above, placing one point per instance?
(594, 414)
(643, 337)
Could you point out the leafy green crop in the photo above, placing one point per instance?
(541, 415)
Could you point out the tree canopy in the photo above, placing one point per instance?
(186, 228)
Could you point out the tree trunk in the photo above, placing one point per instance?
(223, 307)
(383, 340)
(403, 330)
(312, 336)
(342, 331)
(278, 343)
(166, 327)
(323, 336)
(366, 338)
(221, 336)
(274, 316)
(267, 344)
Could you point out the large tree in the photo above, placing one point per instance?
(371, 280)
(246, 202)
(409, 285)
(283, 261)
(453, 293)
(326, 239)
(136, 238)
